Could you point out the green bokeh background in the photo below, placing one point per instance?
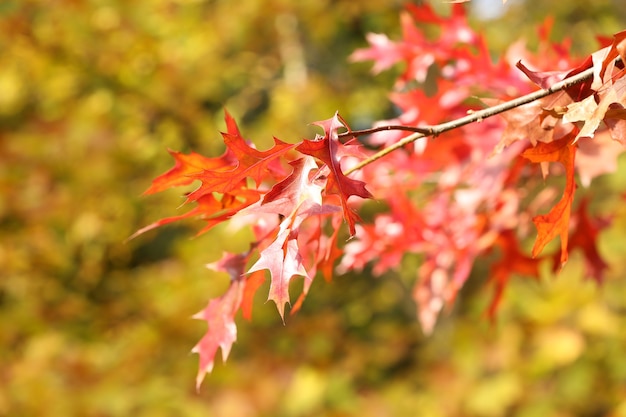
(93, 92)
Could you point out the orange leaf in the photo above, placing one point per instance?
(184, 166)
(556, 222)
(210, 209)
(251, 164)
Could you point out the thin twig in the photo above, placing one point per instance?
(355, 133)
(435, 130)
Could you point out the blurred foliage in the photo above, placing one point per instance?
(93, 92)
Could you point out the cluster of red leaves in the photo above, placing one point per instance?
(479, 177)
(287, 212)
(451, 199)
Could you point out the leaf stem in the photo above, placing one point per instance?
(435, 130)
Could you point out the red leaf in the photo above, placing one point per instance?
(385, 52)
(251, 164)
(283, 260)
(210, 209)
(295, 191)
(186, 165)
(328, 150)
(543, 79)
(532, 122)
(297, 197)
(590, 113)
(617, 48)
(223, 191)
(220, 312)
(222, 332)
(615, 116)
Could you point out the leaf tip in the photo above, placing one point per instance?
(281, 309)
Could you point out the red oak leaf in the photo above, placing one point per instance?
(298, 197)
(328, 150)
(615, 116)
(321, 251)
(543, 79)
(415, 49)
(454, 29)
(282, 258)
(211, 209)
(193, 163)
(251, 164)
(186, 165)
(234, 265)
(298, 192)
(590, 112)
(224, 190)
(222, 332)
(220, 312)
(385, 53)
(556, 222)
(617, 48)
(534, 122)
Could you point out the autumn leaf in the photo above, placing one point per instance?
(251, 163)
(590, 113)
(234, 265)
(544, 79)
(328, 150)
(220, 312)
(455, 29)
(556, 222)
(211, 209)
(617, 49)
(282, 258)
(193, 163)
(224, 191)
(297, 198)
(299, 192)
(185, 166)
(523, 123)
(615, 115)
(219, 315)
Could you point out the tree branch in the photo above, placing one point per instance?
(426, 131)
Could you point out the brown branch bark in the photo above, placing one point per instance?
(435, 130)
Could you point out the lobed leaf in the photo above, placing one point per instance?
(556, 222)
(328, 150)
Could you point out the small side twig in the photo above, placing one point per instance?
(356, 133)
